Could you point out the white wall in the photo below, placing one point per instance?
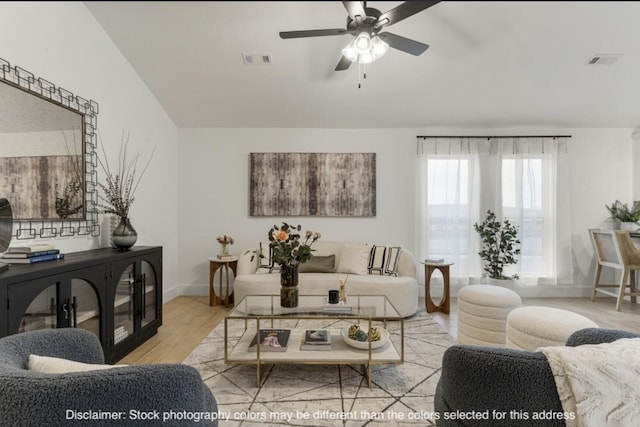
(214, 185)
(601, 172)
(62, 43)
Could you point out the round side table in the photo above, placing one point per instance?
(225, 297)
(429, 268)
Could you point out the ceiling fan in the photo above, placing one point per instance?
(366, 24)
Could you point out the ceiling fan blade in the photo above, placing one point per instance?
(404, 11)
(343, 64)
(312, 33)
(355, 8)
(404, 44)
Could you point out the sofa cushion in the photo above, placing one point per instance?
(319, 264)
(56, 365)
(354, 259)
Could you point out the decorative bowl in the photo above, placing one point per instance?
(364, 345)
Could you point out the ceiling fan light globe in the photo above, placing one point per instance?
(362, 43)
(366, 58)
(379, 47)
(350, 53)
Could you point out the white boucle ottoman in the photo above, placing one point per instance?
(482, 314)
(529, 328)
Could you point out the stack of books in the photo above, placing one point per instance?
(226, 257)
(316, 340)
(31, 254)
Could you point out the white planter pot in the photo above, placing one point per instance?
(629, 226)
(505, 283)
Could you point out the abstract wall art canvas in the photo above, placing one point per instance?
(312, 184)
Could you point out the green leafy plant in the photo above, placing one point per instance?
(500, 245)
(622, 212)
(288, 248)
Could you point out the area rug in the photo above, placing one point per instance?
(327, 395)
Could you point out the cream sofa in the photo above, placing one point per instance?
(401, 290)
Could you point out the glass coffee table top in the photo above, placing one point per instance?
(362, 306)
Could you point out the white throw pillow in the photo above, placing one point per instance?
(55, 365)
(376, 259)
(392, 260)
(354, 259)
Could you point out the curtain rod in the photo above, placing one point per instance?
(493, 137)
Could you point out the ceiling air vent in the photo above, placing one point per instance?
(604, 59)
(256, 59)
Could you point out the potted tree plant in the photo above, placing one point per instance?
(626, 217)
(500, 247)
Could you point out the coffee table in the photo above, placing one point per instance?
(254, 312)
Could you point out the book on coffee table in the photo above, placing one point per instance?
(271, 340)
(316, 340)
(317, 337)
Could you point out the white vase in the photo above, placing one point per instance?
(505, 283)
(629, 226)
(225, 248)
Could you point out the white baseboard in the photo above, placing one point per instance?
(188, 290)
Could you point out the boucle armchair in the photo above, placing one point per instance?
(484, 379)
(30, 398)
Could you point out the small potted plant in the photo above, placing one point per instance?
(500, 246)
(627, 217)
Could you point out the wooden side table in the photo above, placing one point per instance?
(429, 268)
(226, 265)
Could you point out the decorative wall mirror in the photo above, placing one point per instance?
(47, 157)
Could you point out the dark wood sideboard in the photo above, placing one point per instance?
(115, 294)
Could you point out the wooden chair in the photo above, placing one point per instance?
(615, 249)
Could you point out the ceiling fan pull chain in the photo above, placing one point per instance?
(359, 75)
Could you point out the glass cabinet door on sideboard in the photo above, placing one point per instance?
(73, 300)
(35, 306)
(135, 297)
(87, 299)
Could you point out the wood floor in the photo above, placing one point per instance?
(188, 320)
(185, 323)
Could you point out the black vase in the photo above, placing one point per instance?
(124, 235)
(289, 285)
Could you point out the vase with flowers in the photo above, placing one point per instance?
(289, 251)
(225, 241)
(119, 190)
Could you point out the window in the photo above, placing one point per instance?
(461, 178)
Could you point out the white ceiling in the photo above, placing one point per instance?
(490, 64)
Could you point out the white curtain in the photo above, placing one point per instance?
(448, 202)
(522, 179)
